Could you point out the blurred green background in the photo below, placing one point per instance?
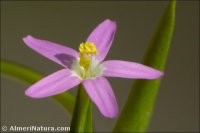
(69, 23)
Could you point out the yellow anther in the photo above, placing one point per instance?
(88, 48)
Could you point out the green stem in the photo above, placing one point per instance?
(29, 76)
(82, 117)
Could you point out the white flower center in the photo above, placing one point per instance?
(95, 69)
(86, 66)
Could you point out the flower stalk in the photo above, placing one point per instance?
(82, 117)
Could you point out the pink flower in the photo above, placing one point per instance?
(87, 67)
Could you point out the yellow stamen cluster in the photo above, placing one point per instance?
(88, 48)
(86, 51)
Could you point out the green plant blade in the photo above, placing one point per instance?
(82, 117)
(29, 76)
(138, 109)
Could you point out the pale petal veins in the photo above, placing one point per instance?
(53, 84)
(60, 54)
(125, 69)
(102, 36)
(101, 93)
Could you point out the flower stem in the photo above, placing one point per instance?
(82, 116)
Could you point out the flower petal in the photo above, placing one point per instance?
(102, 37)
(102, 95)
(55, 52)
(124, 69)
(53, 84)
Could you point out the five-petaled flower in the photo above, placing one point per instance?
(87, 67)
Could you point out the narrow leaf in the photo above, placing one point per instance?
(138, 109)
(29, 76)
(82, 117)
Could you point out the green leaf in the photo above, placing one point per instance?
(138, 109)
(82, 117)
(29, 76)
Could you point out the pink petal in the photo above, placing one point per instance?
(55, 52)
(53, 84)
(124, 69)
(102, 37)
(102, 95)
